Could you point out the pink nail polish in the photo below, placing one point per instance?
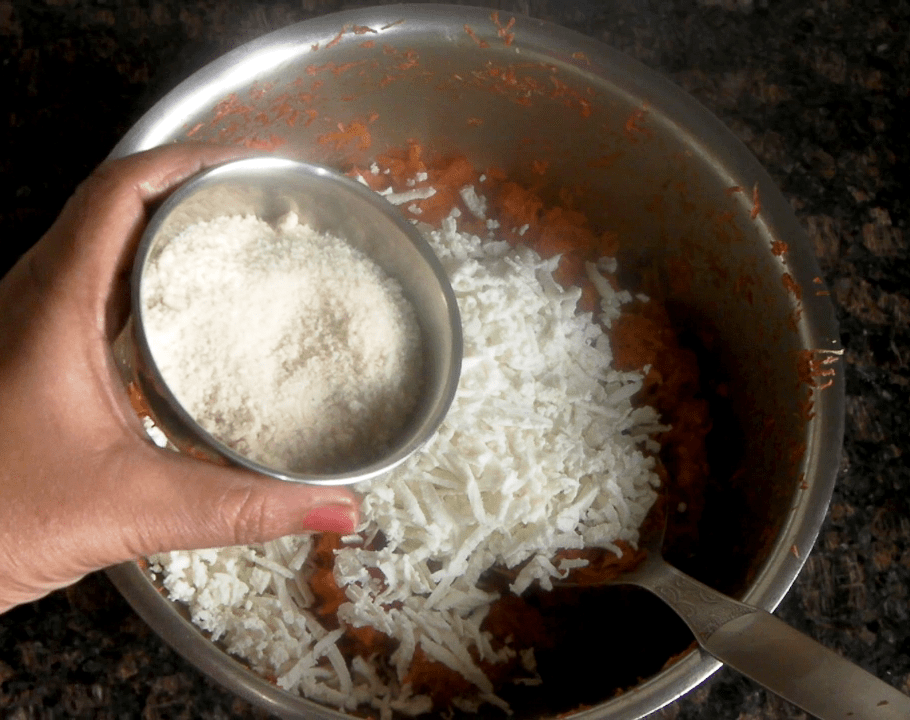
(331, 518)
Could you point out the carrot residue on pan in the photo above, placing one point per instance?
(337, 38)
(473, 35)
(268, 144)
(816, 367)
(791, 285)
(821, 292)
(635, 127)
(504, 31)
(605, 161)
(356, 134)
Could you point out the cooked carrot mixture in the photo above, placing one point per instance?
(436, 680)
(328, 595)
(642, 337)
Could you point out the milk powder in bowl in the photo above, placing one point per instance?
(291, 321)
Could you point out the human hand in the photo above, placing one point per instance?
(81, 487)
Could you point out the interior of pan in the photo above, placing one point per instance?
(700, 224)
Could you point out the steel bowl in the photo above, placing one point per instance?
(269, 188)
(695, 214)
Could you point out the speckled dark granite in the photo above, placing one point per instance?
(818, 89)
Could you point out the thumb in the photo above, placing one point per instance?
(185, 503)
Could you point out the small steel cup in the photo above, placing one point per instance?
(268, 188)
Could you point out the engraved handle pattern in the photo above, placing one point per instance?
(769, 651)
(704, 610)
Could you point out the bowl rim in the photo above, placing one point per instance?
(818, 324)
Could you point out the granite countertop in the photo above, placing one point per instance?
(816, 89)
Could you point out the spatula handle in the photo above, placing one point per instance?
(804, 672)
(772, 653)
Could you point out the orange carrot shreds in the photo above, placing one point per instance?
(636, 129)
(539, 167)
(395, 168)
(231, 105)
(437, 207)
(571, 271)
(456, 174)
(337, 38)
(326, 545)
(428, 677)
(366, 641)
(517, 206)
(268, 144)
(511, 616)
(637, 341)
(480, 43)
(412, 60)
(791, 285)
(504, 30)
(137, 400)
(555, 231)
(329, 596)
(356, 134)
(415, 162)
(645, 336)
(563, 231)
(685, 456)
(403, 164)
(377, 182)
(779, 248)
(603, 565)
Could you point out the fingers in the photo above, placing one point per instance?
(189, 504)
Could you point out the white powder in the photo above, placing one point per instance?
(288, 345)
(541, 450)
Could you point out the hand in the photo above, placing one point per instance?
(81, 487)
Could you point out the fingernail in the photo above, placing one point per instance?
(331, 518)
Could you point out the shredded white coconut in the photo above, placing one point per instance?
(541, 451)
(286, 344)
